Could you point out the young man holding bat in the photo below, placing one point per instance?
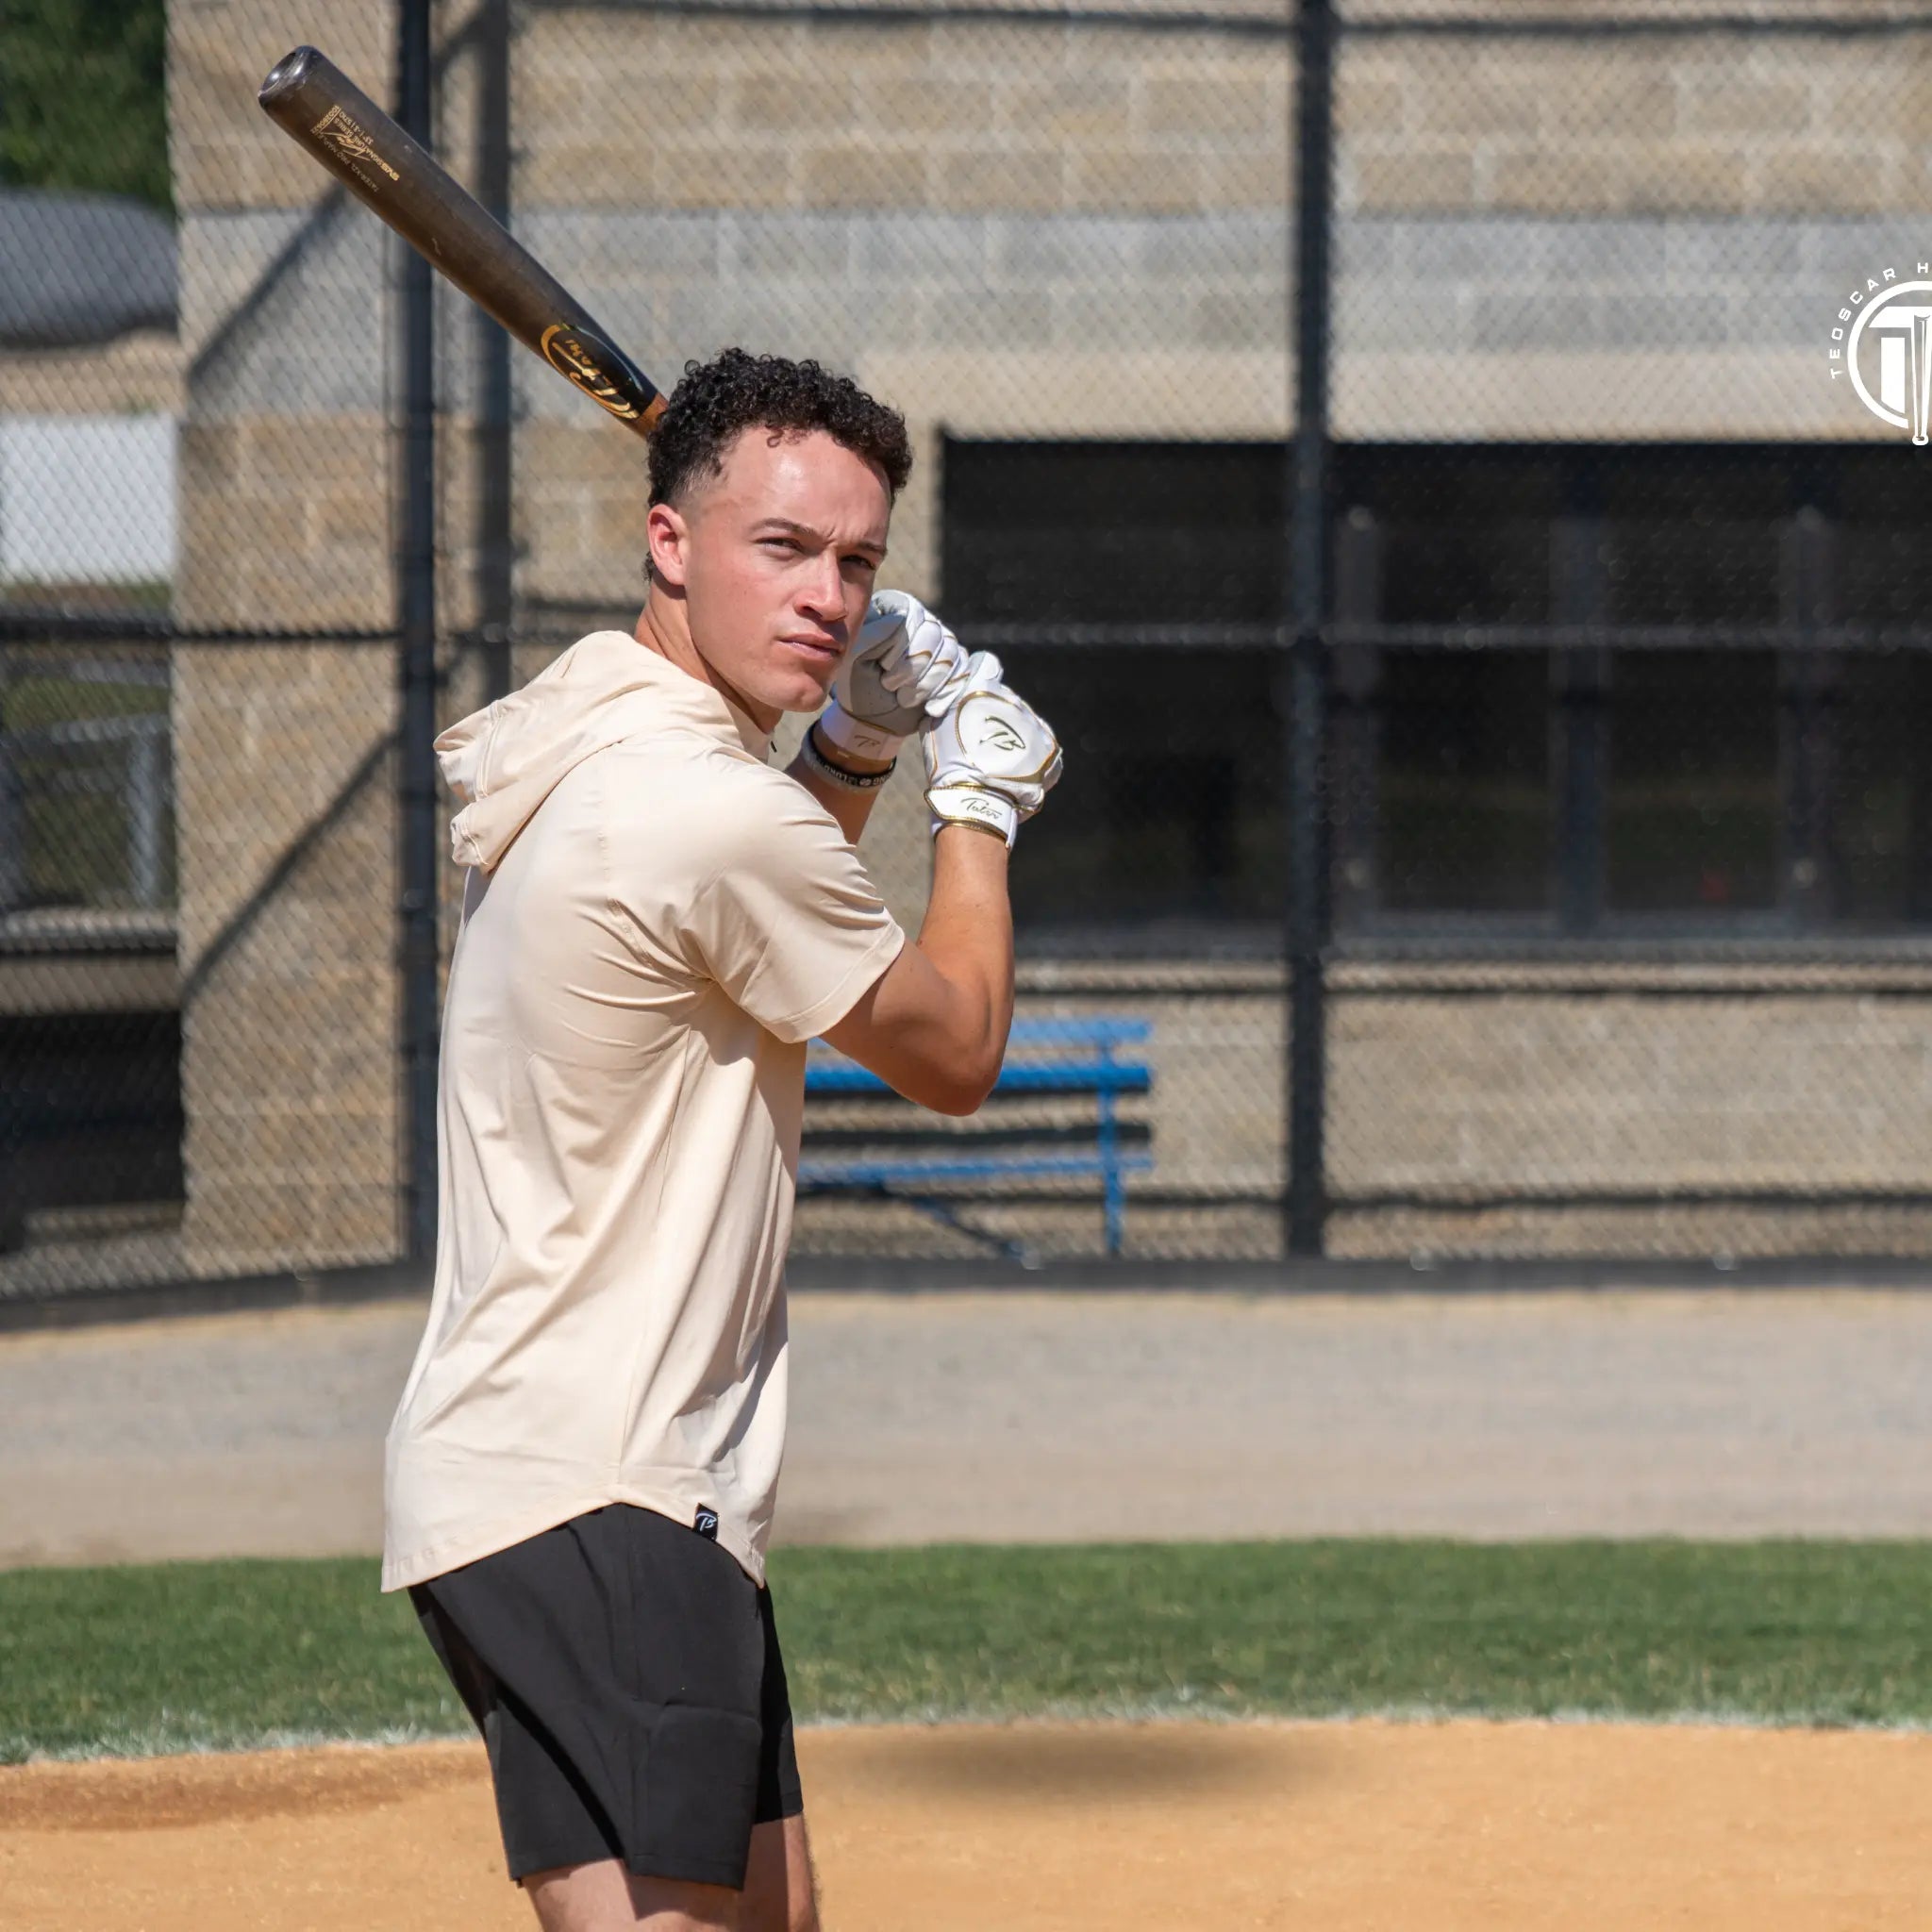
(582, 1471)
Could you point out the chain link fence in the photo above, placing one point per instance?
(1451, 474)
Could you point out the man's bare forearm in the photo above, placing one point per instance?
(968, 935)
(934, 1025)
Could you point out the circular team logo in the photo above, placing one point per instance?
(1882, 340)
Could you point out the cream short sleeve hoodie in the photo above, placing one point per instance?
(655, 921)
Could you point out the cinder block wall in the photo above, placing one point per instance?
(1040, 229)
(1009, 230)
(1021, 228)
(1639, 235)
(1035, 230)
(284, 776)
(1673, 1111)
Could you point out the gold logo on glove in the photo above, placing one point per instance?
(996, 734)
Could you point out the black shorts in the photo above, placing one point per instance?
(626, 1676)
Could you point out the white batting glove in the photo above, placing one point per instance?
(990, 758)
(903, 668)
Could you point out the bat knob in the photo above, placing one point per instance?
(287, 75)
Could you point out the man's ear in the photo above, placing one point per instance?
(668, 537)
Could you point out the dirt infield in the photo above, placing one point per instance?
(1343, 1827)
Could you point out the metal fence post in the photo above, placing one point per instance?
(1808, 680)
(13, 831)
(12, 811)
(1582, 681)
(145, 794)
(495, 515)
(1307, 845)
(416, 622)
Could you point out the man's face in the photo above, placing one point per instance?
(774, 560)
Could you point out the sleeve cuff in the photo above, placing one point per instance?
(865, 972)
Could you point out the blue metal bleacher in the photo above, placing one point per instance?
(1044, 1056)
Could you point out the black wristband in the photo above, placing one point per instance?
(851, 781)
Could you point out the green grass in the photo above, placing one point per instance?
(226, 1655)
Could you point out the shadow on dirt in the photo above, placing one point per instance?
(1032, 1764)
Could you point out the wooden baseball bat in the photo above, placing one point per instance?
(316, 104)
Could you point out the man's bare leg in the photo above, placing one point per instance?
(604, 1897)
(781, 1888)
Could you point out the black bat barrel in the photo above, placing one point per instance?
(315, 103)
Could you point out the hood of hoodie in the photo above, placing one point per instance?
(504, 762)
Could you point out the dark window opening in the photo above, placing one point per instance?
(1692, 813)
(1114, 532)
(1167, 826)
(1462, 541)
(1463, 783)
(1693, 541)
(1736, 762)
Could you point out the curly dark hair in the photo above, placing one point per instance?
(736, 390)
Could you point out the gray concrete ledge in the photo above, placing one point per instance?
(891, 1275)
